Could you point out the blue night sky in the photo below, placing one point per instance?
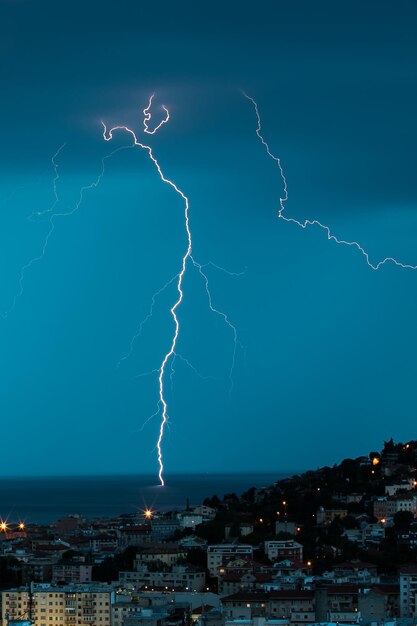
(329, 363)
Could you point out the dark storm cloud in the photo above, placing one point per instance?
(330, 344)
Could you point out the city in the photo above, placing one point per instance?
(335, 545)
(208, 313)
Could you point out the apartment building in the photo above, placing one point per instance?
(180, 576)
(327, 516)
(386, 507)
(408, 591)
(72, 573)
(379, 602)
(168, 554)
(294, 607)
(219, 555)
(134, 535)
(164, 528)
(49, 605)
(286, 549)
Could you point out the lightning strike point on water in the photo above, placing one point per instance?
(305, 223)
(187, 257)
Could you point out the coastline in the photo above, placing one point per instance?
(46, 499)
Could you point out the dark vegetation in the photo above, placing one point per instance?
(299, 498)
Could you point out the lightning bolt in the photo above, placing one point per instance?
(54, 185)
(187, 258)
(192, 367)
(53, 215)
(223, 316)
(146, 319)
(147, 115)
(304, 224)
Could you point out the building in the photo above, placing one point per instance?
(207, 512)
(191, 542)
(50, 605)
(373, 533)
(207, 616)
(124, 607)
(379, 603)
(168, 554)
(327, 516)
(385, 507)
(337, 603)
(355, 568)
(245, 528)
(189, 520)
(38, 569)
(72, 573)
(293, 607)
(164, 528)
(332, 603)
(134, 535)
(285, 527)
(103, 542)
(245, 605)
(68, 524)
(219, 555)
(133, 613)
(297, 607)
(257, 621)
(393, 489)
(286, 549)
(180, 577)
(366, 535)
(234, 582)
(408, 590)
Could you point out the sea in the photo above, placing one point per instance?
(46, 499)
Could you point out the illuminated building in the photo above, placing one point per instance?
(49, 605)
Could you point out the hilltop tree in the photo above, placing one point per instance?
(403, 520)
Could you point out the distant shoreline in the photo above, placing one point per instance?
(150, 475)
(45, 499)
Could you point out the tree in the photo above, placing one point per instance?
(10, 572)
(109, 569)
(389, 446)
(403, 520)
(214, 501)
(249, 495)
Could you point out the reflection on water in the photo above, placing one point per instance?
(47, 499)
